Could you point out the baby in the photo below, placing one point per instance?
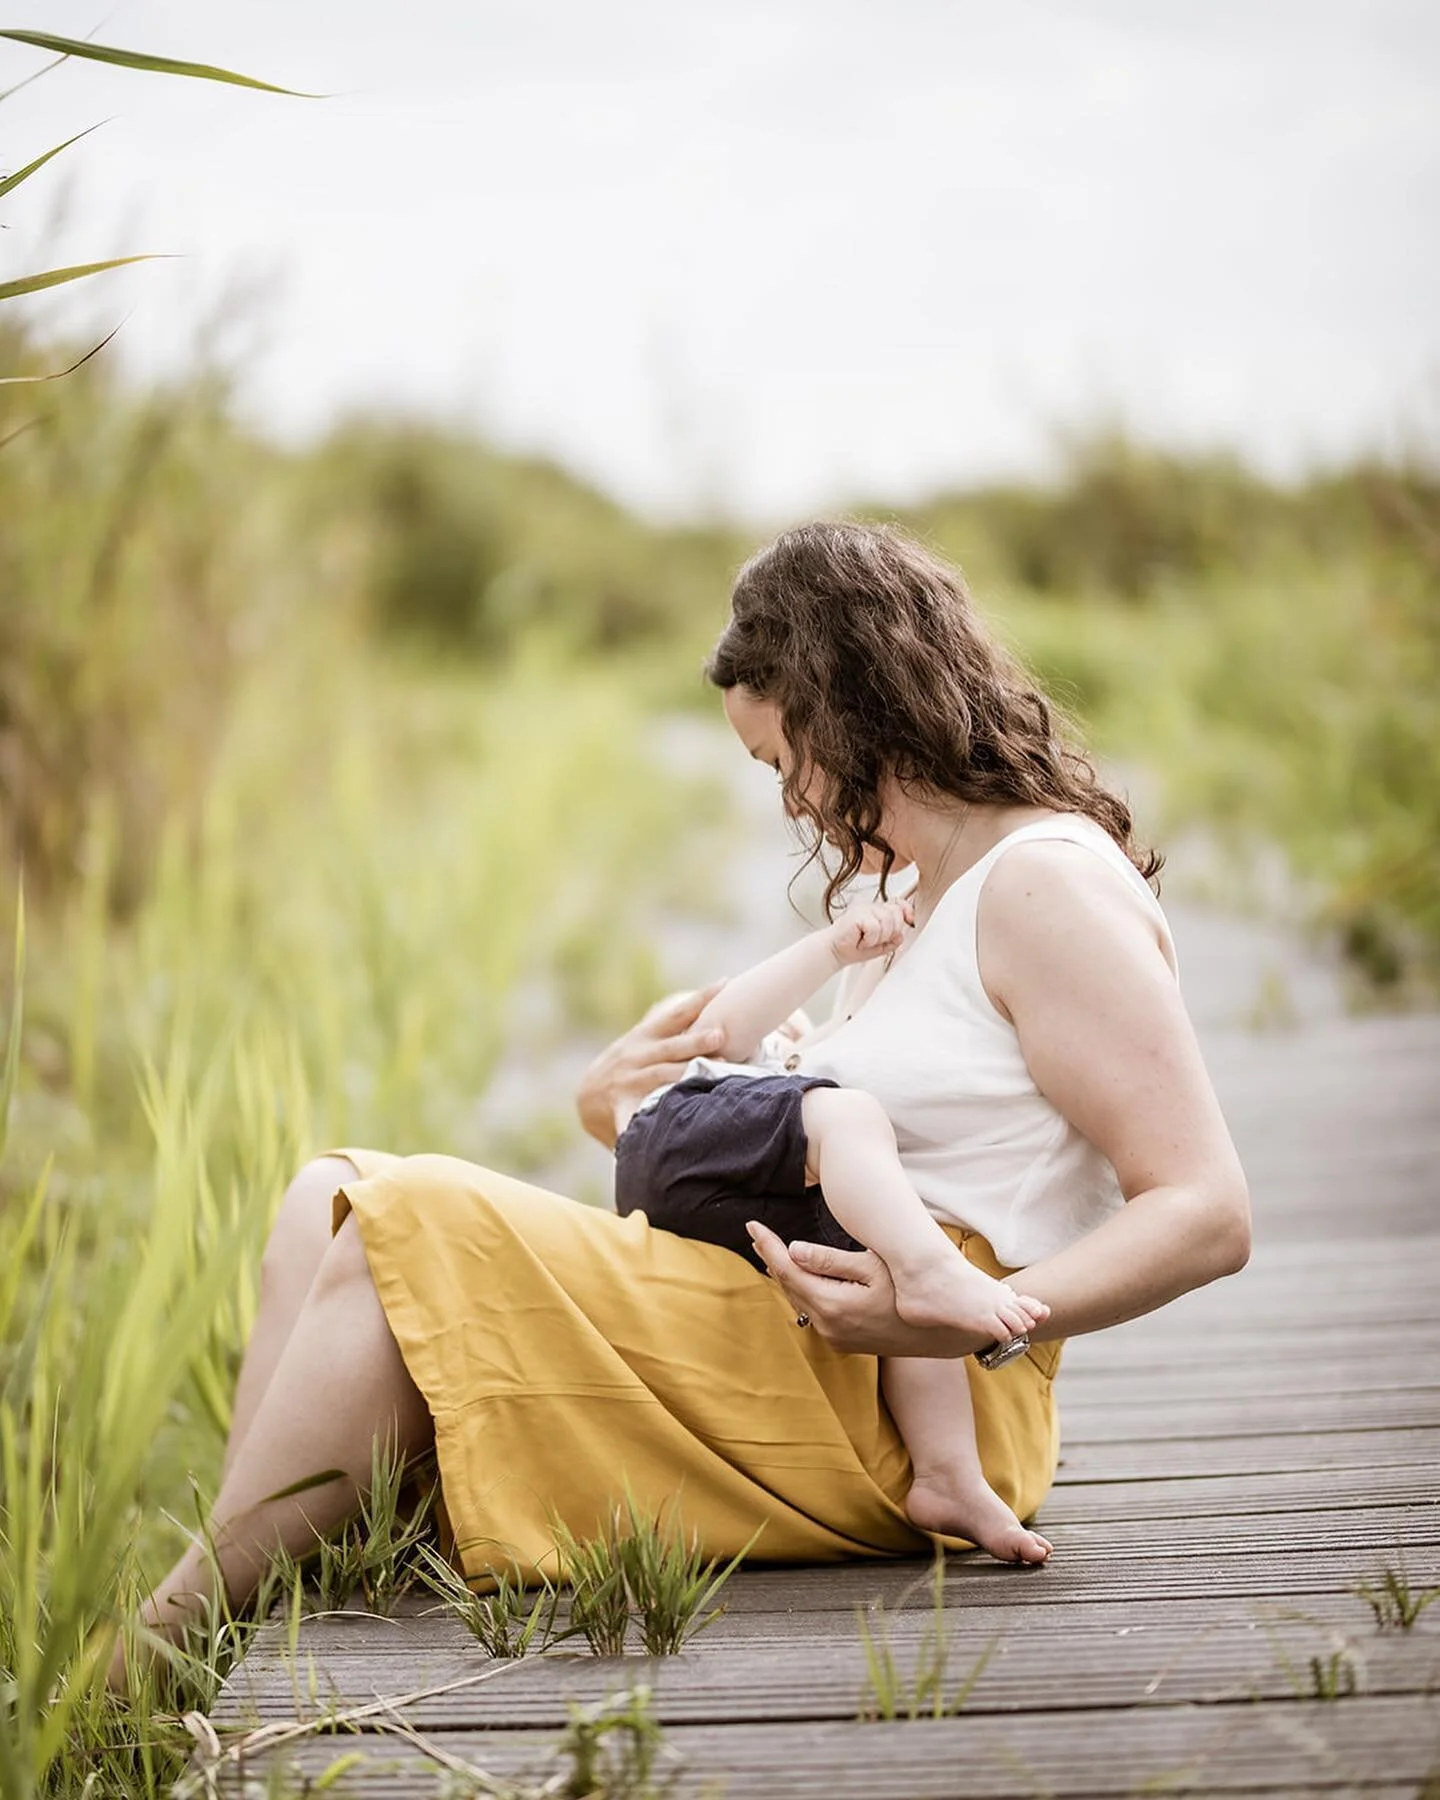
(749, 1138)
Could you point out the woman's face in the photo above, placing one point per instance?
(756, 723)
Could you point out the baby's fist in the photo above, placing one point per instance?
(875, 929)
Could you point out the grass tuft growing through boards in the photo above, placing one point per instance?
(611, 1750)
(378, 1552)
(641, 1566)
(509, 1621)
(1390, 1596)
(921, 1690)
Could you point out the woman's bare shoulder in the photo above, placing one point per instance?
(1050, 904)
(1041, 877)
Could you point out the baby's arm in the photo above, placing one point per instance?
(760, 1000)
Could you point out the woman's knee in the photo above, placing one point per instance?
(302, 1228)
(344, 1264)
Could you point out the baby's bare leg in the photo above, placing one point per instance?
(852, 1155)
(930, 1402)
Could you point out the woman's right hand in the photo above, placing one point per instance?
(645, 1057)
(848, 1296)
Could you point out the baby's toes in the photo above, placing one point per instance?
(1013, 1317)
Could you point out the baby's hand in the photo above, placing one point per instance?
(864, 932)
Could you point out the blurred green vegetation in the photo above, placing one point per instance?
(332, 778)
(1267, 658)
(302, 863)
(1266, 655)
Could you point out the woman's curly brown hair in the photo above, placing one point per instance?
(870, 648)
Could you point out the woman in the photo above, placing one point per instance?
(1042, 1076)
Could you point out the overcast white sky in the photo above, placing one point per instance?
(769, 254)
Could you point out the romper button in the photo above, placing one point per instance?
(792, 1062)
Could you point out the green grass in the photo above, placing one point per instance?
(1394, 1601)
(640, 1567)
(509, 1620)
(1335, 1672)
(377, 1555)
(1285, 709)
(344, 966)
(917, 1685)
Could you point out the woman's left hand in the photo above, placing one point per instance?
(849, 1298)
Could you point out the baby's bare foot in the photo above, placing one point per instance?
(973, 1510)
(951, 1291)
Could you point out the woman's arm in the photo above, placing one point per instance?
(1075, 962)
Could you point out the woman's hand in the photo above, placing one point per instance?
(849, 1298)
(648, 1055)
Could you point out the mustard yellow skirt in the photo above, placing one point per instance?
(569, 1356)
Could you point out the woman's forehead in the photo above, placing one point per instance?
(756, 722)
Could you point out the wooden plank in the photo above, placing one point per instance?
(1260, 1454)
(1285, 1310)
(976, 1580)
(1276, 1384)
(1205, 1496)
(1290, 1748)
(1254, 1346)
(354, 1634)
(1239, 1414)
(1321, 1530)
(458, 1687)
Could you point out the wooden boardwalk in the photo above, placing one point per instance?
(1233, 1466)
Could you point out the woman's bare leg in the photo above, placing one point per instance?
(296, 1246)
(339, 1384)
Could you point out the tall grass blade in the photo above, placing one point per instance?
(34, 284)
(11, 182)
(11, 1071)
(304, 1485)
(53, 375)
(155, 65)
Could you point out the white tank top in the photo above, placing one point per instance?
(984, 1148)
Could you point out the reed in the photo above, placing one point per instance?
(265, 999)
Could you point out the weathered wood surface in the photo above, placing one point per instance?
(1233, 1466)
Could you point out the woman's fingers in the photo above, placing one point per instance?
(652, 1051)
(814, 1277)
(770, 1249)
(835, 1265)
(666, 1038)
(776, 1257)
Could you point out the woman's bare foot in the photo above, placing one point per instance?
(961, 1507)
(948, 1290)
